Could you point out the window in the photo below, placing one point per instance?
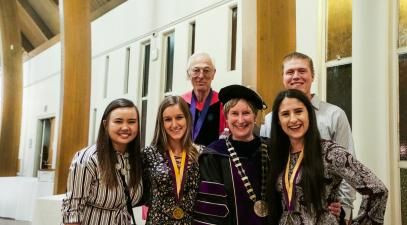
(339, 27)
(126, 71)
(169, 61)
(192, 38)
(339, 78)
(338, 55)
(106, 76)
(402, 44)
(144, 90)
(403, 105)
(233, 39)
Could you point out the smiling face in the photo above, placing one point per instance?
(294, 120)
(297, 74)
(122, 127)
(175, 123)
(201, 71)
(240, 119)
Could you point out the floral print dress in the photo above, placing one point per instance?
(339, 164)
(159, 180)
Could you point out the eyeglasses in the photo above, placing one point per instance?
(196, 71)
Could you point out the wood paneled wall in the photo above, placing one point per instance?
(276, 37)
(76, 84)
(11, 88)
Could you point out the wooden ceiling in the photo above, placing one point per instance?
(39, 20)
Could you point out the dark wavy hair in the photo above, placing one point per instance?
(312, 179)
(106, 154)
(160, 139)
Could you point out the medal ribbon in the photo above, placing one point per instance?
(289, 182)
(192, 109)
(242, 172)
(179, 173)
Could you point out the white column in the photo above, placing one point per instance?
(371, 72)
(309, 39)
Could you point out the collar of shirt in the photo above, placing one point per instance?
(315, 101)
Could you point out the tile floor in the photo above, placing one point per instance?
(5, 221)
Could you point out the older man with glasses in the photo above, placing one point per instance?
(204, 105)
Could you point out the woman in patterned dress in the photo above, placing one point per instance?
(306, 171)
(100, 174)
(171, 172)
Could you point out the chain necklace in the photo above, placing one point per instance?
(260, 206)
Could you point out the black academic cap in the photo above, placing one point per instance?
(238, 91)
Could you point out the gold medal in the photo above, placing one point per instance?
(261, 208)
(178, 213)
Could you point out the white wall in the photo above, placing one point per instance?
(41, 98)
(128, 26)
(371, 67)
(310, 37)
(248, 55)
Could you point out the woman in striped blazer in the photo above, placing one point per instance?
(104, 180)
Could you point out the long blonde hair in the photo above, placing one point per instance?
(160, 139)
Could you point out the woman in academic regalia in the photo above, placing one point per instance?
(234, 169)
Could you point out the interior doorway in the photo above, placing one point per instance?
(45, 150)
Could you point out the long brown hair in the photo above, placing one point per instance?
(106, 154)
(160, 139)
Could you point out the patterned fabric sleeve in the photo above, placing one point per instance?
(146, 158)
(343, 164)
(343, 136)
(80, 175)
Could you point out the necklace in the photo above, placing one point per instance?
(289, 182)
(177, 212)
(260, 206)
(123, 167)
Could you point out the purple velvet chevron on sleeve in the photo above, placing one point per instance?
(212, 188)
(212, 200)
(211, 209)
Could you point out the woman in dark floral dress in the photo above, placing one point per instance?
(303, 181)
(171, 171)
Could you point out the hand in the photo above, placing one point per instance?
(335, 208)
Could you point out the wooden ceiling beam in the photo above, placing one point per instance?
(45, 14)
(94, 4)
(37, 19)
(75, 84)
(98, 9)
(49, 13)
(11, 88)
(28, 47)
(29, 55)
(29, 28)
